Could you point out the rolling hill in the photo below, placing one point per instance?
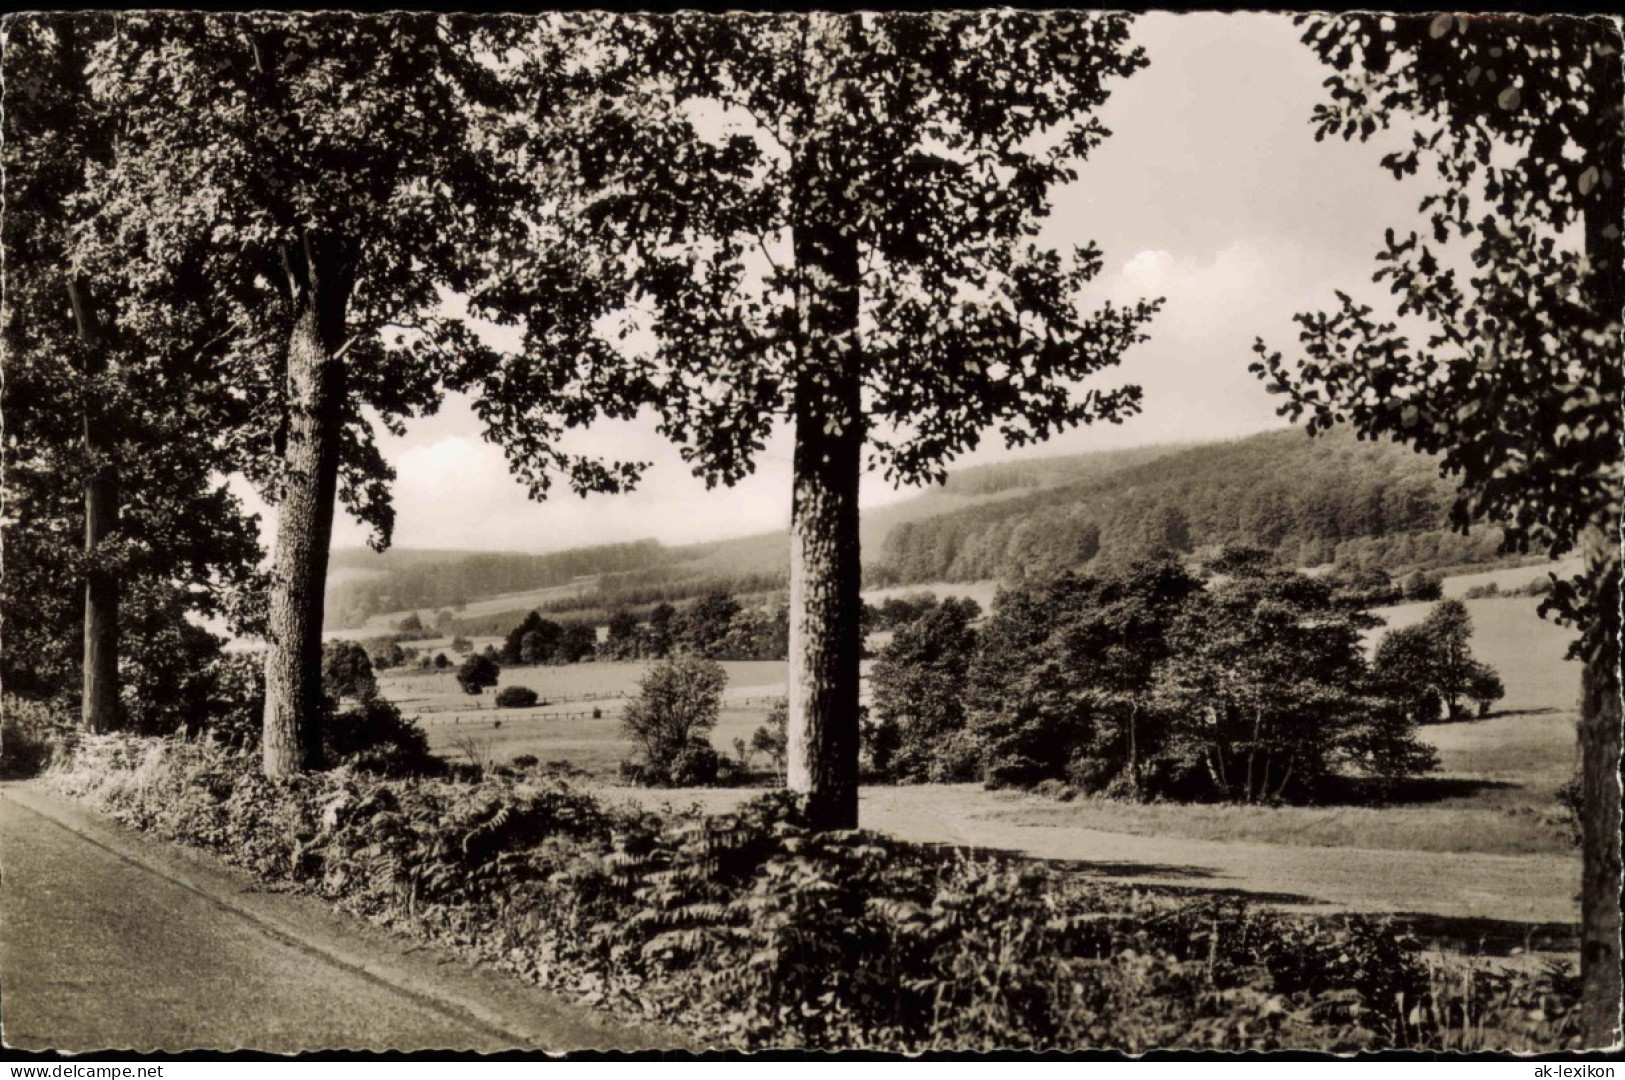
(1312, 501)
(366, 588)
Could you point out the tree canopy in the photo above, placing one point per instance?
(1506, 362)
(88, 400)
(828, 219)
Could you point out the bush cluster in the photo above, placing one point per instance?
(32, 735)
(1248, 683)
(750, 931)
(516, 697)
(670, 722)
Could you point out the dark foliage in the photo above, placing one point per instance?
(374, 737)
(1340, 501)
(1061, 686)
(748, 931)
(477, 673)
(516, 697)
(918, 683)
(347, 671)
(32, 735)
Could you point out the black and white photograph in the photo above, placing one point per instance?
(878, 532)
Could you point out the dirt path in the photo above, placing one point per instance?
(115, 941)
(1493, 902)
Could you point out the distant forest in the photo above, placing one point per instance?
(633, 575)
(1332, 499)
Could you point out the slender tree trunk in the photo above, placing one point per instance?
(1134, 747)
(1252, 751)
(825, 573)
(99, 698)
(1281, 790)
(1602, 891)
(316, 388)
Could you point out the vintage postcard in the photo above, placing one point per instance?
(929, 533)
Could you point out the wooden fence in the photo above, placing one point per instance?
(487, 711)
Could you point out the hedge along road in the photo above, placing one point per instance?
(116, 941)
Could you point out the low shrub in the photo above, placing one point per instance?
(1059, 790)
(668, 722)
(694, 766)
(373, 736)
(516, 697)
(32, 735)
(750, 931)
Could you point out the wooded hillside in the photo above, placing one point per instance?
(1311, 502)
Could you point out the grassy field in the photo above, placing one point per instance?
(1494, 792)
(1511, 577)
(1478, 851)
(461, 727)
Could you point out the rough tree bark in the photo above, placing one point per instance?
(1601, 894)
(825, 572)
(319, 281)
(99, 698)
(1601, 889)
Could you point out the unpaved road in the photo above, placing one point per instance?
(1494, 902)
(110, 940)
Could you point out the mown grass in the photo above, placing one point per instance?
(1495, 793)
(1466, 827)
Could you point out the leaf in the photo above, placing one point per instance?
(1440, 26)
(1588, 180)
(1509, 99)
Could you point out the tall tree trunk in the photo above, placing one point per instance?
(316, 387)
(99, 698)
(825, 572)
(1602, 891)
(1601, 895)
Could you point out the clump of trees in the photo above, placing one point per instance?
(896, 611)
(478, 673)
(670, 721)
(1249, 685)
(919, 689)
(715, 626)
(1430, 667)
(542, 641)
(1359, 586)
(347, 671)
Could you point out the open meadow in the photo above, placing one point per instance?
(1478, 852)
(580, 720)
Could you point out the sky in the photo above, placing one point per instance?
(1211, 193)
